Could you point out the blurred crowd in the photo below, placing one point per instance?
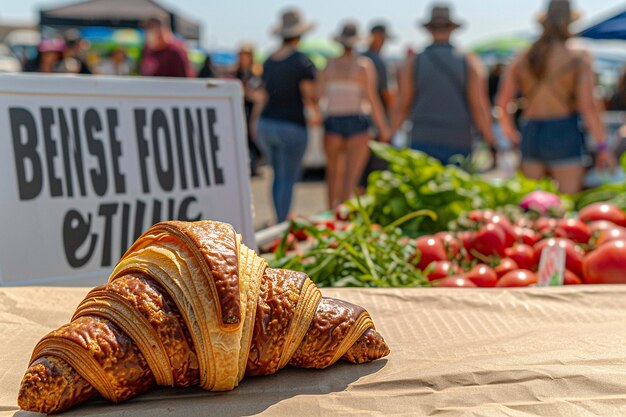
(540, 106)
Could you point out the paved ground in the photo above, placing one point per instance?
(309, 198)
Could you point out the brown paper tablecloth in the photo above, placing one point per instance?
(513, 352)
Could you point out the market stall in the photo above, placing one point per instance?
(487, 352)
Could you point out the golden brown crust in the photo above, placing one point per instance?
(120, 371)
(333, 322)
(51, 385)
(280, 292)
(217, 242)
(156, 306)
(369, 347)
(188, 304)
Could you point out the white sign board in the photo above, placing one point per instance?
(88, 163)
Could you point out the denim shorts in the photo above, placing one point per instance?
(346, 126)
(553, 142)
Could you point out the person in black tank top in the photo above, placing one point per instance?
(445, 93)
(281, 133)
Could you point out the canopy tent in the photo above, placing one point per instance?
(612, 28)
(116, 14)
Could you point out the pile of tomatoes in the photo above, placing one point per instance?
(499, 252)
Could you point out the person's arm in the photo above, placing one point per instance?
(590, 110)
(477, 97)
(506, 95)
(260, 99)
(309, 92)
(310, 99)
(371, 90)
(406, 91)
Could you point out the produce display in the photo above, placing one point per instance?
(425, 224)
(189, 304)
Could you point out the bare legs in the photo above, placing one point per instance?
(569, 177)
(345, 162)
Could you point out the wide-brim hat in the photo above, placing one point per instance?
(440, 17)
(349, 35)
(291, 25)
(557, 11)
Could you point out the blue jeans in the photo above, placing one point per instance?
(284, 144)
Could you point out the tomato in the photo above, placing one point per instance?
(574, 254)
(480, 216)
(482, 275)
(342, 212)
(607, 264)
(597, 225)
(441, 269)
(466, 238)
(603, 211)
(489, 240)
(526, 235)
(509, 232)
(545, 224)
(573, 229)
(517, 278)
(571, 278)
(616, 233)
(430, 249)
(300, 234)
(290, 243)
(523, 255)
(450, 243)
(454, 281)
(505, 266)
(524, 222)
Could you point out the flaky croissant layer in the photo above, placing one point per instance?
(189, 304)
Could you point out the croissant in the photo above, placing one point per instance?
(189, 304)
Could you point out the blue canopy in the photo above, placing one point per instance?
(611, 28)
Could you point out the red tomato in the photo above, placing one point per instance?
(482, 275)
(526, 235)
(573, 229)
(603, 211)
(505, 266)
(454, 281)
(451, 243)
(571, 278)
(466, 238)
(509, 233)
(430, 249)
(574, 254)
(597, 225)
(299, 234)
(489, 240)
(607, 264)
(517, 278)
(441, 269)
(524, 222)
(290, 243)
(545, 224)
(523, 255)
(342, 212)
(616, 233)
(480, 216)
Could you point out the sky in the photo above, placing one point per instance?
(227, 23)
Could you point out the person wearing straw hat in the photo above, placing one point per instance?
(348, 87)
(556, 83)
(444, 91)
(288, 87)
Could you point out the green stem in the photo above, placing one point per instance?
(411, 216)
